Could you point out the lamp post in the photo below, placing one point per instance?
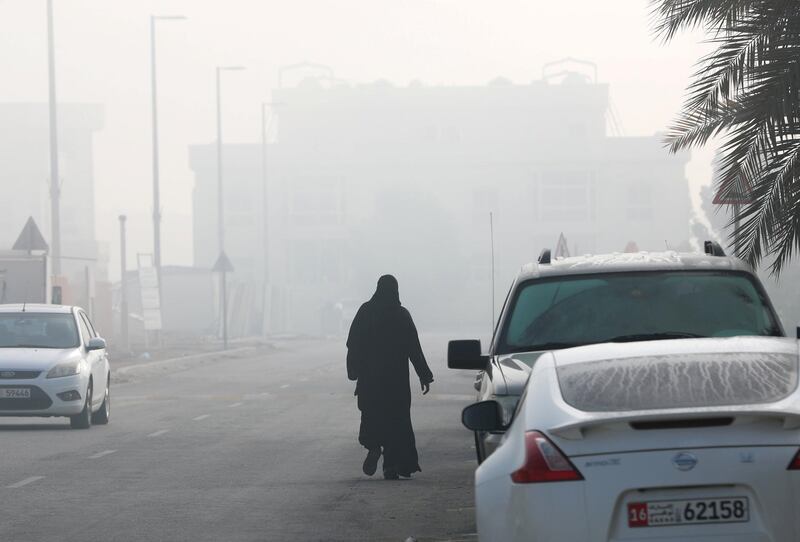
(223, 264)
(220, 184)
(123, 304)
(55, 181)
(265, 125)
(156, 187)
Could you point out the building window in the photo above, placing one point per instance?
(564, 196)
(639, 202)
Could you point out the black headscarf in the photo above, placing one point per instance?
(388, 292)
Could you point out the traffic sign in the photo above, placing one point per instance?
(562, 250)
(31, 238)
(223, 264)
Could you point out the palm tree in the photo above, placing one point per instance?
(747, 91)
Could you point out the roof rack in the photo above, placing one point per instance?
(544, 257)
(712, 248)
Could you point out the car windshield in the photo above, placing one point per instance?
(550, 314)
(31, 330)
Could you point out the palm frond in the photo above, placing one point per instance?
(748, 91)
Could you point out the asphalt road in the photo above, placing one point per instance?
(259, 444)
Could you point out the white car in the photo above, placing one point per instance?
(692, 440)
(53, 363)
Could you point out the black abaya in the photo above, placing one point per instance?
(382, 340)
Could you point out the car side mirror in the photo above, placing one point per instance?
(97, 343)
(466, 355)
(484, 416)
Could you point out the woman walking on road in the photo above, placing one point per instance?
(382, 340)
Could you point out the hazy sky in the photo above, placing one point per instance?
(103, 57)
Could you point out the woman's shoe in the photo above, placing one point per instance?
(390, 474)
(371, 462)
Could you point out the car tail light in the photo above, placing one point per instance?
(544, 462)
(795, 463)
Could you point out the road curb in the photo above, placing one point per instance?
(130, 370)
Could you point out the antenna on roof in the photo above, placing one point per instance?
(24, 304)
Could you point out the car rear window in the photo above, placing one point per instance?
(678, 381)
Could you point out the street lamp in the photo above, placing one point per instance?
(156, 187)
(220, 189)
(266, 122)
(55, 181)
(223, 265)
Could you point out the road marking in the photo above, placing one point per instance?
(264, 394)
(202, 417)
(285, 386)
(234, 405)
(25, 482)
(104, 453)
(451, 397)
(158, 433)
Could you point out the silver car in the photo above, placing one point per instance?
(563, 303)
(53, 363)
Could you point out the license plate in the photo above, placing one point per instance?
(15, 393)
(688, 512)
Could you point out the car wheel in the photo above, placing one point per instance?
(479, 448)
(102, 416)
(84, 419)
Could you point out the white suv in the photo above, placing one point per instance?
(562, 303)
(53, 363)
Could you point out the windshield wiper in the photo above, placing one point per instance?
(664, 335)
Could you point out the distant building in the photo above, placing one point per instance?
(25, 173)
(378, 178)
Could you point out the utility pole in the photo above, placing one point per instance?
(220, 183)
(156, 175)
(123, 305)
(265, 125)
(156, 187)
(55, 179)
(223, 265)
(220, 190)
(264, 219)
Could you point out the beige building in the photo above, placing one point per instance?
(377, 178)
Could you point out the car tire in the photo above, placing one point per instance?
(102, 416)
(479, 448)
(84, 419)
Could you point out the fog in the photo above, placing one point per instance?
(315, 252)
(427, 56)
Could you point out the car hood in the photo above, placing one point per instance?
(35, 359)
(516, 368)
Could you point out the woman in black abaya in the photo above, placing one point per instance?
(382, 340)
